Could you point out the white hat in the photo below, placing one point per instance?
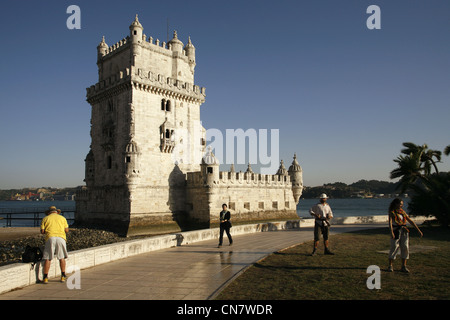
(323, 196)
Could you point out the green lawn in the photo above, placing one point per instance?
(295, 275)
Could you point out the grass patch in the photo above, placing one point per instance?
(293, 274)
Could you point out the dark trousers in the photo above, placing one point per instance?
(227, 230)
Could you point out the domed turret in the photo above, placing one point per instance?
(177, 45)
(90, 169)
(136, 30)
(101, 48)
(210, 168)
(190, 52)
(282, 169)
(132, 168)
(296, 174)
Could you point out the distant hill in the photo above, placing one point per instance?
(47, 193)
(361, 189)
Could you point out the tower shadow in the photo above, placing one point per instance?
(177, 198)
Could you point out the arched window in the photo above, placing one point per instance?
(110, 106)
(165, 105)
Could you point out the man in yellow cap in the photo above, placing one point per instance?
(55, 227)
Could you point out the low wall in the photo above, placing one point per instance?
(19, 275)
(309, 222)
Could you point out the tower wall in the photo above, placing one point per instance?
(249, 196)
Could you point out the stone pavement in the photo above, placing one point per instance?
(197, 271)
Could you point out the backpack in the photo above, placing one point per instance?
(33, 255)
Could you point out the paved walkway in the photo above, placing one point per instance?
(193, 272)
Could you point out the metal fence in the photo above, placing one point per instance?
(31, 214)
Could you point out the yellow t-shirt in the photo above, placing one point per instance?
(54, 225)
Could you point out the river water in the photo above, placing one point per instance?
(340, 208)
(352, 207)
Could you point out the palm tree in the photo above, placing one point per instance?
(413, 148)
(426, 155)
(409, 171)
(447, 150)
(433, 199)
(431, 191)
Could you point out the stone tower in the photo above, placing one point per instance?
(296, 174)
(146, 134)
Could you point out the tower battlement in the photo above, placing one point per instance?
(148, 81)
(241, 178)
(156, 45)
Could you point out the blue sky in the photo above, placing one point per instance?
(344, 97)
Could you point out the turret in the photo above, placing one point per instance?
(296, 174)
(282, 169)
(176, 44)
(101, 52)
(101, 48)
(131, 156)
(249, 171)
(136, 30)
(90, 169)
(210, 168)
(190, 52)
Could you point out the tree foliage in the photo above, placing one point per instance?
(342, 190)
(430, 190)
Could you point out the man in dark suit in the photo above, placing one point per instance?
(225, 224)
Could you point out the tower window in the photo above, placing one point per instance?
(165, 105)
(274, 204)
(135, 32)
(109, 162)
(110, 106)
(128, 159)
(209, 169)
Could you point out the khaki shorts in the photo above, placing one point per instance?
(320, 229)
(55, 247)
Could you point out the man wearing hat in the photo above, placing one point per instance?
(322, 212)
(55, 227)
